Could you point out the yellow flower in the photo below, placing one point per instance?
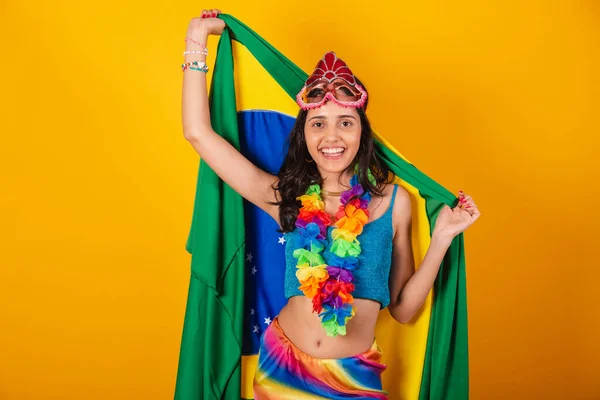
(343, 234)
(311, 202)
(311, 277)
(305, 272)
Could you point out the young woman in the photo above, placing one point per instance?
(347, 228)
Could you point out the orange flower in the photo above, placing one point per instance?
(351, 225)
(310, 287)
(354, 212)
(311, 202)
(346, 297)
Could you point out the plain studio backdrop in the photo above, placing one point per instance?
(498, 98)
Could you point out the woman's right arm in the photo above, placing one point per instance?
(230, 165)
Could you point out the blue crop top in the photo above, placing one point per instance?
(372, 274)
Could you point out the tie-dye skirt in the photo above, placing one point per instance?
(285, 372)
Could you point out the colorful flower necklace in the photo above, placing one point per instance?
(328, 279)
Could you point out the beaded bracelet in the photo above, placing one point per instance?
(203, 52)
(203, 69)
(188, 39)
(197, 63)
(201, 64)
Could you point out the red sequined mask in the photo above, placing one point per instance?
(331, 80)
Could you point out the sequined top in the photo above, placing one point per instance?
(374, 262)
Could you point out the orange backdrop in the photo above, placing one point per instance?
(500, 99)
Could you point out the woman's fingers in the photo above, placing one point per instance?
(211, 13)
(466, 203)
(474, 211)
(469, 203)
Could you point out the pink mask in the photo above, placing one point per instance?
(331, 80)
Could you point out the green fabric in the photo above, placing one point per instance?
(209, 366)
(209, 361)
(446, 367)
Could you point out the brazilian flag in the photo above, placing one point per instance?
(236, 284)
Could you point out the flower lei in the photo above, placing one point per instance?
(328, 279)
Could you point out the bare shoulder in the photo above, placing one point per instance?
(401, 211)
(402, 199)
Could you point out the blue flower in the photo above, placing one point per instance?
(338, 315)
(350, 263)
(308, 238)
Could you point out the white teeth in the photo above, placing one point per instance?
(333, 151)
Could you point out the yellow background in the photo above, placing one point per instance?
(500, 99)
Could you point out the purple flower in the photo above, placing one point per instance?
(300, 223)
(332, 300)
(340, 274)
(357, 190)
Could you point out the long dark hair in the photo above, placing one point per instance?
(296, 174)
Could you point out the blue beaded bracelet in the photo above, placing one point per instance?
(203, 69)
(201, 64)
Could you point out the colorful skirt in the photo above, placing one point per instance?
(285, 372)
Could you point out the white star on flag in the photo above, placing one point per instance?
(281, 240)
(253, 270)
(249, 257)
(255, 330)
(268, 320)
(252, 311)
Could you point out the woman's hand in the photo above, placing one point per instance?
(452, 221)
(206, 24)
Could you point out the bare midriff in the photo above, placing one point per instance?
(303, 328)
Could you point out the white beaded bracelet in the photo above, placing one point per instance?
(204, 52)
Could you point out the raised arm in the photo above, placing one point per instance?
(237, 171)
(409, 289)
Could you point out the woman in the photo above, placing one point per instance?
(348, 245)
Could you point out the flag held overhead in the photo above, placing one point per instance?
(236, 284)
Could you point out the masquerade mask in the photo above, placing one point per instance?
(331, 80)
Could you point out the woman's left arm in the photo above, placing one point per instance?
(409, 289)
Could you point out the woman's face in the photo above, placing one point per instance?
(332, 134)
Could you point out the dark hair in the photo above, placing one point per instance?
(296, 174)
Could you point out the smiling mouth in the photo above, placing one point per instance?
(332, 152)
